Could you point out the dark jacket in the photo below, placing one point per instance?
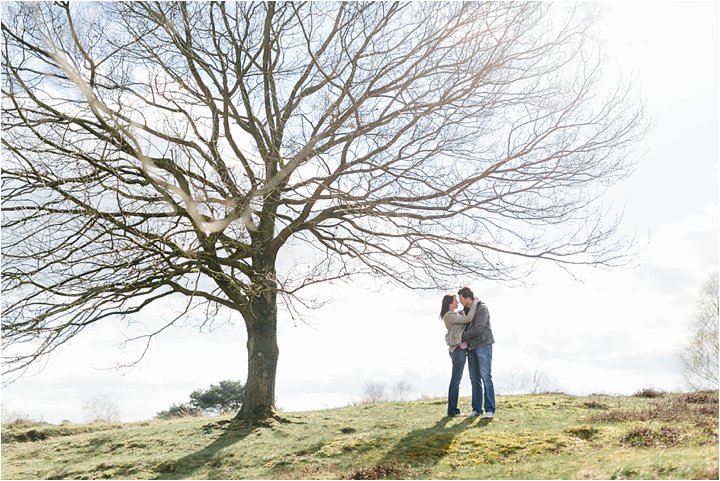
(478, 332)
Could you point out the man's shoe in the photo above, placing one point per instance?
(488, 415)
(458, 415)
(473, 414)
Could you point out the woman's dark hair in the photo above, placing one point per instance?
(447, 300)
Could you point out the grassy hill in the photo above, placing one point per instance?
(673, 436)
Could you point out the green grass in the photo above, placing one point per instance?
(552, 436)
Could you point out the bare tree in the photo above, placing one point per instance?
(157, 150)
(699, 357)
(528, 382)
(374, 393)
(401, 391)
(101, 408)
(17, 416)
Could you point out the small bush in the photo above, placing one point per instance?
(646, 437)
(638, 437)
(179, 411)
(223, 398)
(700, 397)
(582, 432)
(378, 472)
(649, 393)
(595, 405)
(226, 397)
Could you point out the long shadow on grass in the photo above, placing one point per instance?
(187, 466)
(418, 450)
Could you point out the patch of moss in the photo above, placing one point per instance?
(503, 447)
(583, 432)
(421, 449)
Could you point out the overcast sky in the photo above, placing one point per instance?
(617, 331)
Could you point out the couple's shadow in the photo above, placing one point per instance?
(427, 446)
(418, 449)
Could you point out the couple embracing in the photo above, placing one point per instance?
(470, 338)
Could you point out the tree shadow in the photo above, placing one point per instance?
(186, 467)
(418, 450)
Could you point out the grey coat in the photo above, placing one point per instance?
(478, 332)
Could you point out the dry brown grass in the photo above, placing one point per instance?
(646, 437)
(698, 408)
(387, 471)
(678, 407)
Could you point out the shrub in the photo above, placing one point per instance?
(222, 398)
(385, 471)
(179, 411)
(646, 437)
(649, 393)
(700, 397)
(582, 432)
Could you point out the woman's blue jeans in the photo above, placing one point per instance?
(458, 357)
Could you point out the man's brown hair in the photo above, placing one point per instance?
(466, 292)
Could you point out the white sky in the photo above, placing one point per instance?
(618, 331)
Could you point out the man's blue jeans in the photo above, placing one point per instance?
(458, 357)
(483, 391)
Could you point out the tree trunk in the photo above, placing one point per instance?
(261, 322)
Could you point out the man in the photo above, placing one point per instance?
(479, 338)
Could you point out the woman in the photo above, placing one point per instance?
(455, 323)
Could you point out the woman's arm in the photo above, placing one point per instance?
(451, 318)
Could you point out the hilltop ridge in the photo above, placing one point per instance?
(546, 436)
